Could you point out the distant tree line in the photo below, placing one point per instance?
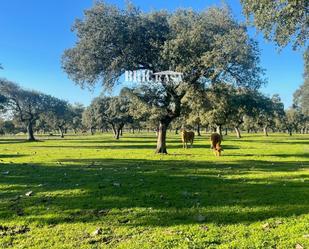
(218, 60)
(221, 107)
(31, 111)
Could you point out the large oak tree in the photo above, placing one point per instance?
(207, 47)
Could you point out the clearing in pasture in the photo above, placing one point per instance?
(95, 192)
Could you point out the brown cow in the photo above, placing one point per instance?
(187, 137)
(215, 139)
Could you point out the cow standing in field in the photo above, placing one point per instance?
(187, 137)
(215, 139)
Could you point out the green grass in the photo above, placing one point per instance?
(255, 196)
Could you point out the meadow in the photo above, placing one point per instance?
(95, 192)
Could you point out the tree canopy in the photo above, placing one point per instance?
(283, 21)
(26, 105)
(111, 112)
(301, 96)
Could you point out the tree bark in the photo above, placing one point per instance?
(161, 138)
(117, 135)
(225, 132)
(219, 130)
(118, 131)
(30, 131)
(114, 130)
(237, 132)
(61, 132)
(290, 132)
(198, 129)
(265, 130)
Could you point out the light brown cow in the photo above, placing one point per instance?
(215, 139)
(187, 137)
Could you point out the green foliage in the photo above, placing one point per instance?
(29, 106)
(267, 111)
(77, 112)
(59, 117)
(283, 21)
(3, 101)
(208, 46)
(112, 112)
(295, 120)
(255, 196)
(301, 96)
(7, 127)
(89, 120)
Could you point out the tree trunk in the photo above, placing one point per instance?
(225, 132)
(176, 131)
(199, 129)
(117, 131)
(219, 130)
(114, 130)
(237, 132)
(265, 130)
(61, 132)
(161, 138)
(117, 135)
(91, 131)
(290, 132)
(30, 131)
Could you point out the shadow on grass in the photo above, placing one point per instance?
(135, 146)
(153, 192)
(10, 156)
(18, 140)
(12, 141)
(298, 155)
(270, 141)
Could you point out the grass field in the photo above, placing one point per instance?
(95, 192)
